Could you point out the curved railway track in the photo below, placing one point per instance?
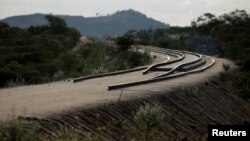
(56, 97)
(186, 61)
(180, 60)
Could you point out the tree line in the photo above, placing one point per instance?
(232, 33)
(226, 35)
(52, 52)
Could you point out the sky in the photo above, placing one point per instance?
(174, 12)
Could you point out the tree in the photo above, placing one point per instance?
(57, 24)
(32, 54)
(125, 42)
(231, 32)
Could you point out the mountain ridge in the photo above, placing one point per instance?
(114, 24)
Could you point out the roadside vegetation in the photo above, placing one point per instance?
(188, 91)
(15, 130)
(31, 55)
(240, 80)
(232, 33)
(147, 120)
(166, 38)
(52, 52)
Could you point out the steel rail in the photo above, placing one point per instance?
(75, 80)
(180, 56)
(162, 64)
(181, 65)
(124, 85)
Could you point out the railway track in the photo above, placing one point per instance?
(55, 97)
(177, 64)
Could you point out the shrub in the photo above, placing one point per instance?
(147, 119)
(95, 137)
(16, 130)
(242, 82)
(66, 134)
(245, 63)
(188, 91)
(19, 81)
(226, 67)
(99, 70)
(224, 76)
(125, 42)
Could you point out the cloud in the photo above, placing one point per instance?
(212, 2)
(186, 2)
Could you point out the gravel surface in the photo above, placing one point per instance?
(61, 96)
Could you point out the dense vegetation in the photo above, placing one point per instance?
(166, 38)
(180, 38)
(31, 54)
(50, 52)
(232, 33)
(99, 57)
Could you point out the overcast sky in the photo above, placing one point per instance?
(174, 12)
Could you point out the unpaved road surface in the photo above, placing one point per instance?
(56, 97)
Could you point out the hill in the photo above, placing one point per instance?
(114, 24)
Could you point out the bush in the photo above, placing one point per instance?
(224, 76)
(245, 64)
(125, 42)
(16, 130)
(188, 91)
(242, 82)
(16, 83)
(147, 119)
(66, 134)
(226, 67)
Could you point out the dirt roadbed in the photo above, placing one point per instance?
(56, 97)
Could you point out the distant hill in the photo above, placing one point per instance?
(115, 24)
